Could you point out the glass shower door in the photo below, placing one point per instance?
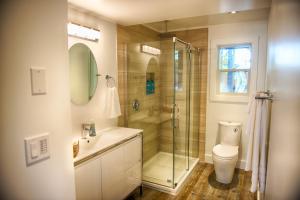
(164, 87)
(181, 109)
(194, 113)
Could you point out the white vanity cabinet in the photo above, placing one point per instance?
(133, 164)
(88, 180)
(113, 168)
(113, 174)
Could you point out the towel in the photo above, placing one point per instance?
(112, 104)
(257, 131)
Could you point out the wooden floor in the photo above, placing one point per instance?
(202, 185)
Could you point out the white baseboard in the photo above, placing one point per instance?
(240, 164)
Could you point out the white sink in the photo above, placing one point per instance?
(103, 139)
(96, 142)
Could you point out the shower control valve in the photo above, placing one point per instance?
(136, 105)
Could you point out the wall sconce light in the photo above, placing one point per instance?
(150, 50)
(83, 32)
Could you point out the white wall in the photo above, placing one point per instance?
(283, 173)
(33, 33)
(227, 111)
(105, 52)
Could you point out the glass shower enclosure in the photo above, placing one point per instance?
(163, 84)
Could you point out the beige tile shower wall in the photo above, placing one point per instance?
(147, 117)
(167, 140)
(199, 39)
(195, 104)
(132, 69)
(167, 95)
(128, 35)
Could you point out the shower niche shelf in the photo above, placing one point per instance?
(150, 83)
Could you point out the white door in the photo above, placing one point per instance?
(88, 180)
(283, 174)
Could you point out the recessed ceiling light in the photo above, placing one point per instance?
(233, 12)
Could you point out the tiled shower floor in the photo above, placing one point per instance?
(159, 169)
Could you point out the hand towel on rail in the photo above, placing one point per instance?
(112, 104)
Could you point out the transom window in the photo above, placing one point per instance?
(234, 63)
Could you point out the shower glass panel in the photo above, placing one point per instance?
(159, 89)
(194, 114)
(181, 109)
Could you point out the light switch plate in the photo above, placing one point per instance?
(37, 148)
(38, 81)
(34, 149)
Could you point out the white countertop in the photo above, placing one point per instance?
(104, 140)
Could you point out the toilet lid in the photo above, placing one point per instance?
(225, 151)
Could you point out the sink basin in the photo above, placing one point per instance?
(104, 140)
(96, 142)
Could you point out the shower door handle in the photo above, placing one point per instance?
(175, 110)
(176, 123)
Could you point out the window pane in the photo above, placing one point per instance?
(235, 57)
(234, 82)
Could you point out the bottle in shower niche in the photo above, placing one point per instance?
(148, 87)
(152, 86)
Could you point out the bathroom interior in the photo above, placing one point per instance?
(149, 100)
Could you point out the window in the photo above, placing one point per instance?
(233, 68)
(234, 63)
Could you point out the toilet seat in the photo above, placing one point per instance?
(225, 152)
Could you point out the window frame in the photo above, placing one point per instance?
(214, 79)
(219, 71)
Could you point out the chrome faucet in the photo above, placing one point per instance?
(88, 129)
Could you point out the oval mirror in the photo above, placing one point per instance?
(83, 74)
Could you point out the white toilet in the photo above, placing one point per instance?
(225, 154)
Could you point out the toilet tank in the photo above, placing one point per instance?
(230, 133)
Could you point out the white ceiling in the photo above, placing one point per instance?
(130, 12)
(206, 20)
